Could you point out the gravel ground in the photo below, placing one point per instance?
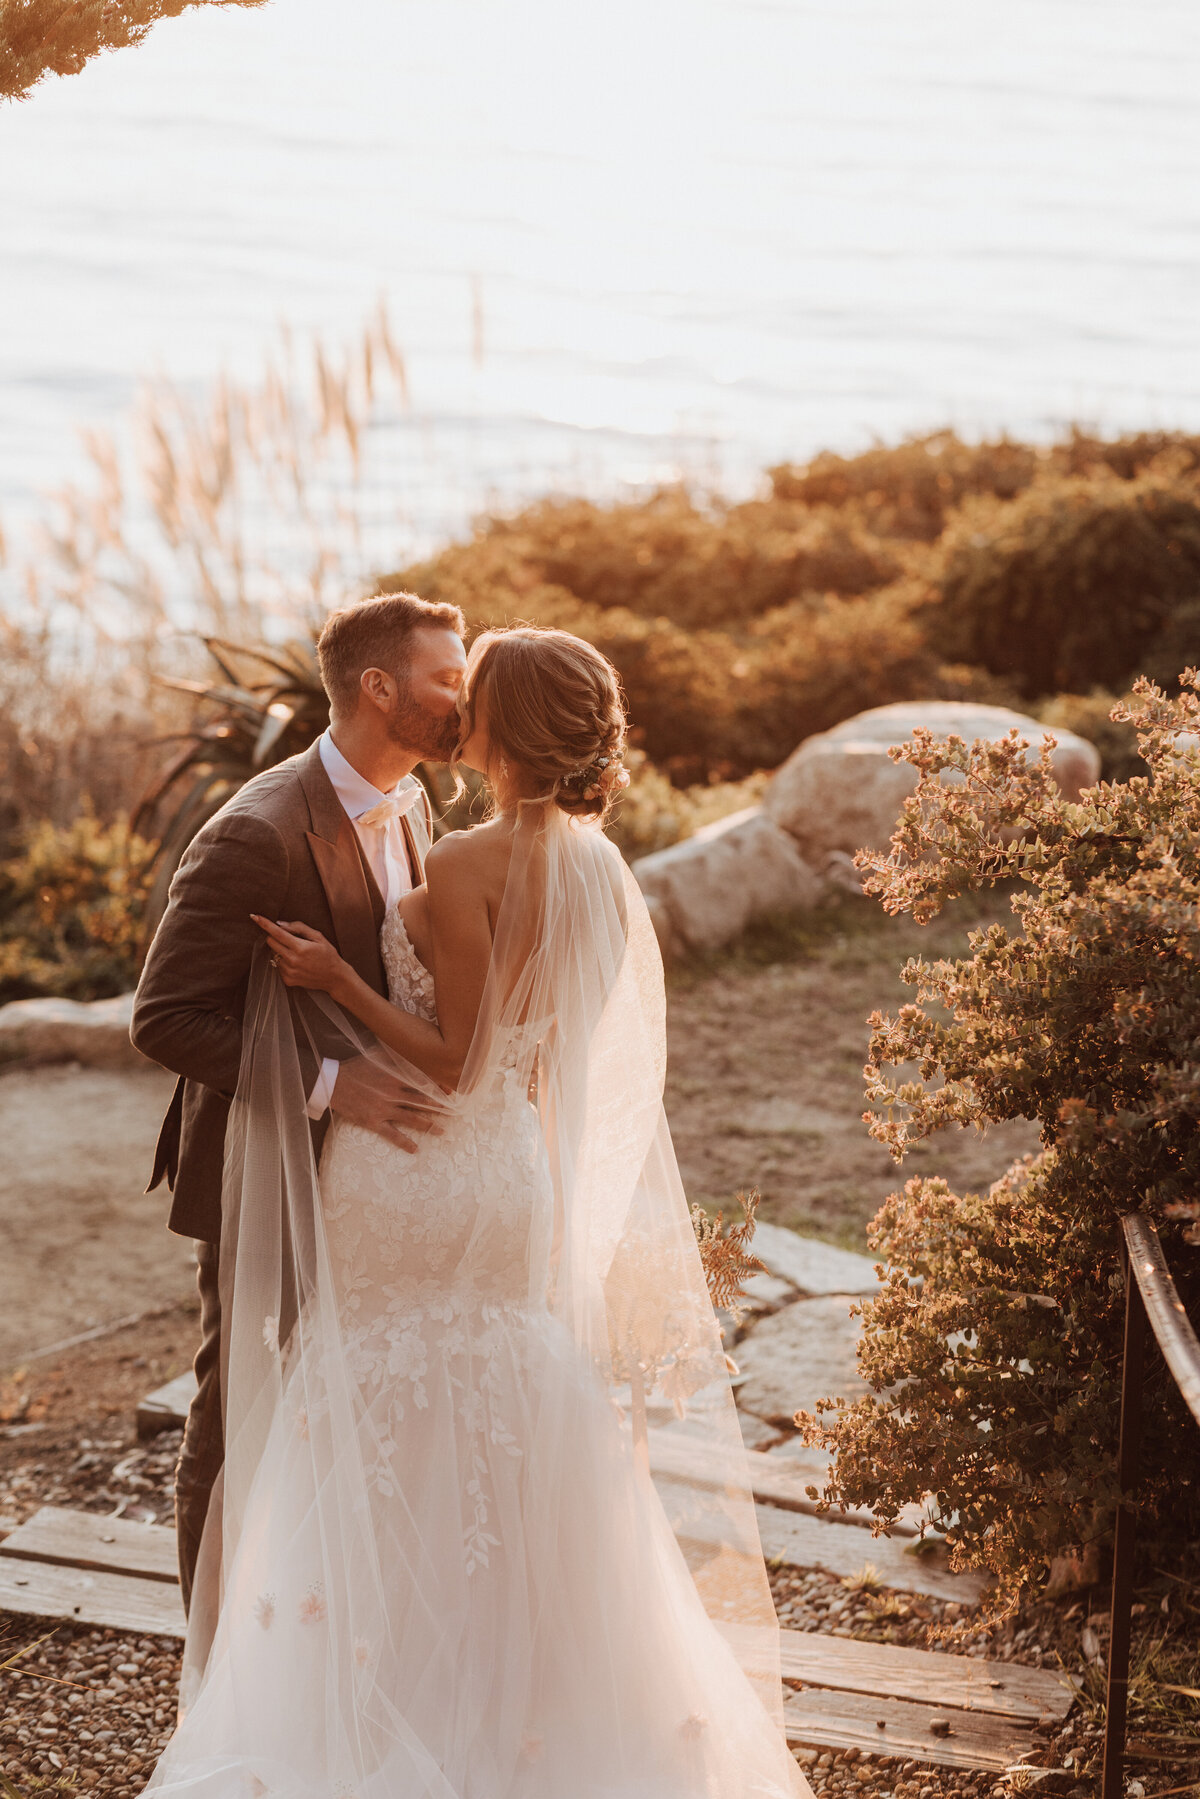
(68, 1439)
(102, 1733)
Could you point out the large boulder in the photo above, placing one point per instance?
(841, 792)
(703, 892)
(94, 1032)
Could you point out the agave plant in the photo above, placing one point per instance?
(266, 706)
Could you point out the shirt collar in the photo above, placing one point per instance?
(355, 792)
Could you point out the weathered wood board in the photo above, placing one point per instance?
(90, 1540)
(111, 1571)
(927, 1677)
(831, 1720)
(167, 1407)
(85, 1596)
(774, 1479)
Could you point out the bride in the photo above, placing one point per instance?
(436, 1566)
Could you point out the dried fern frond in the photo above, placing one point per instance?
(60, 37)
(724, 1253)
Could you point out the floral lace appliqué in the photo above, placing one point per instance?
(435, 1296)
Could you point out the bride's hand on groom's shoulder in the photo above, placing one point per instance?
(303, 957)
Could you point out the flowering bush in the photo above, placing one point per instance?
(994, 1345)
(71, 906)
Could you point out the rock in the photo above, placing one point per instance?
(766, 1293)
(660, 918)
(804, 1353)
(704, 891)
(840, 791)
(811, 1265)
(95, 1033)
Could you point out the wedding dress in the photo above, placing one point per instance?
(438, 1567)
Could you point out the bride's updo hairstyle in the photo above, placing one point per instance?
(555, 715)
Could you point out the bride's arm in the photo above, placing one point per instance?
(462, 947)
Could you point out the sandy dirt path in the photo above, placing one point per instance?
(80, 1243)
(764, 1089)
(765, 1083)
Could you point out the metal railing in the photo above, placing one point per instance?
(1150, 1300)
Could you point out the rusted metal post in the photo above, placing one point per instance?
(1117, 1701)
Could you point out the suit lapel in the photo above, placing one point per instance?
(355, 903)
(416, 866)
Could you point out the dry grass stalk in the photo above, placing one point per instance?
(239, 516)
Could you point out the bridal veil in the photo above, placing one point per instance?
(573, 1024)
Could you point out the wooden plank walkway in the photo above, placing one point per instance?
(775, 1479)
(822, 1719)
(951, 1711)
(167, 1407)
(928, 1677)
(791, 1529)
(90, 1540)
(86, 1596)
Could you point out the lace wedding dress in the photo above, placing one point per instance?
(448, 1574)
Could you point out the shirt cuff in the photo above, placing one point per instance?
(322, 1093)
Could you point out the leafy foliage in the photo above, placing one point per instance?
(60, 37)
(909, 490)
(725, 1252)
(1079, 582)
(72, 903)
(994, 1346)
(738, 673)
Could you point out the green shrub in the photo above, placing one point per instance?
(705, 703)
(71, 905)
(1083, 454)
(813, 664)
(908, 490)
(994, 1346)
(652, 813)
(1077, 583)
(665, 556)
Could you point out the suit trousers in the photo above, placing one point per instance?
(203, 1448)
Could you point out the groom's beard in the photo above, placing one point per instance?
(434, 736)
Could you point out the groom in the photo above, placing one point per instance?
(330, 838)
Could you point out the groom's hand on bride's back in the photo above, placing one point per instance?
(369, 1096)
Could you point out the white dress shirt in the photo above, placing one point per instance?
(385, 847)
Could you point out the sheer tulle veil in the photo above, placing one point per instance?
(573, 1014)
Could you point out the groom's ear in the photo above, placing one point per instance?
(378, 688)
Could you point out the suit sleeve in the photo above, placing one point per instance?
(187, 1013)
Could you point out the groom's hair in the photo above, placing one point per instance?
(375, 633)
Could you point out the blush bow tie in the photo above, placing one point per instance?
(395, 806)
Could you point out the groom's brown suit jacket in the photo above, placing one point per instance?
(282, 847)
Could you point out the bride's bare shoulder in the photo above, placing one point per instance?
(475, 860)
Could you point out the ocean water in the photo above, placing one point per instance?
(618, 242)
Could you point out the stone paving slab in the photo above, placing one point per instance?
(847, 1549)
(812, 1266)
(796, 1356)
